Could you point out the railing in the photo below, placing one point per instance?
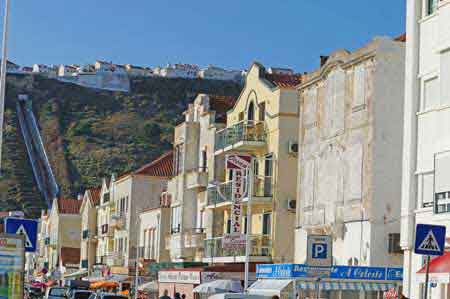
(194, 238)
(247, 130)
(262, 187)
(261, 245)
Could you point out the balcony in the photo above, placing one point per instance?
(197, 179)
(194, 238)
(262, 192)
(261, 250)
(245, 135)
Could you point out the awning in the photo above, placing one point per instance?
(346, 285)
(76, 274)
(439, 264)
(439, 269)
(219, 286)
(269, 287)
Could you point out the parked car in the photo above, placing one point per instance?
(107, 296)
(80, 294)
(56, 293)
(34, 292)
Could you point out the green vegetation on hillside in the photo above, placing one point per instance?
(89, 134)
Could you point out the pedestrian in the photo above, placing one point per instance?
(183, 296)
(177, 296)
(165, 295)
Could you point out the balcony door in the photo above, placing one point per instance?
(268, 172)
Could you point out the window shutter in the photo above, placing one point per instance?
(445, 78)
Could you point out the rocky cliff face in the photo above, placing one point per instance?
(89, 134)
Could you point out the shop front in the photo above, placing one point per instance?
(439, 277)
(339, 282)
(181, 281)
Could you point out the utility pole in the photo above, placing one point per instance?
(3, 75)
(249, 223)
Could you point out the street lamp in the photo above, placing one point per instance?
(3, 74)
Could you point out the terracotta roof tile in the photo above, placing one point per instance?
(401, 38)
(221, 104)
(95, 195)
(69, 206)
(70, 255)
(161, 167)
(284, 80)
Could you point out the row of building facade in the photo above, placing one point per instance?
(327, 147)
(178, 70)
(356, 149)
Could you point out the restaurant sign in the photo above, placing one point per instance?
(179, 276)
(336, 272)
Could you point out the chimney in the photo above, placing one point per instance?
(323, 60)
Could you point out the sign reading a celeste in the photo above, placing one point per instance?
(337, 272)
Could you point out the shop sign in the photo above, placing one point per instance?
(12, 265)
(179, 276)
(233, 241)
(239, 165)
(337, 272)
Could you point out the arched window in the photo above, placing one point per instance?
(251, 111)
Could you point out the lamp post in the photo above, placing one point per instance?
(3, 74)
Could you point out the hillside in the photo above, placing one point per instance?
(89, 134)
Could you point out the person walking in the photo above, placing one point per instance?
(165, 295)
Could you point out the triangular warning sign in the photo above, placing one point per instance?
(21, 231)
(430, 243)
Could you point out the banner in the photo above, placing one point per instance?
(12, 262)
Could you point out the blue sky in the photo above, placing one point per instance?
(231, 33)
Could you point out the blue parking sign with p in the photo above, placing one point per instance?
(319, 250)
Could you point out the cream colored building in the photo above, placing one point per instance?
(262, 123)
(133, 193)
(194, 167)
(350, 154)
(105, 233)
(88, 211)
(154, 225)
(64, 232)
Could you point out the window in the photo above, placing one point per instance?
(430, 97)
(228, 228)
(445, 78)
(394, 243)
(241, 116)
(441, 182)
(179, 159)
(204, 160)
(431, 6)
(266, 225)
(262, 111)
(359, 86)
(251, 111)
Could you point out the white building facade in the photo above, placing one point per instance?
(426, 145)
(350, 155)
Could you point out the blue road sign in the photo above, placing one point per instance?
(27, 228)
(319, 251)
(430, 239)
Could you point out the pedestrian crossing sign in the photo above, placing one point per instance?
(24, 227)
(430, 239)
